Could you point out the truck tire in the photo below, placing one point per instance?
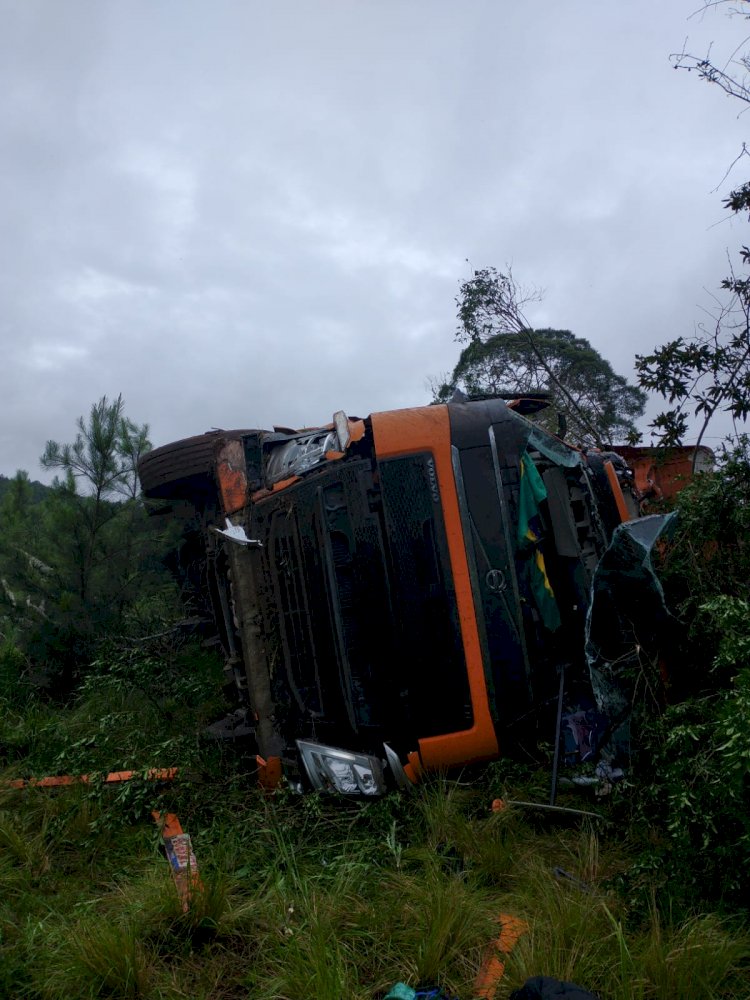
(175, 470)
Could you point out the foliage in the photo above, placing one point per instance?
(73, 562)
(709, 372)
(504, 363)
(699, 794)
(13, 670)
(504, 355)
(302, 896)
(105, 453)
(37, 490)
(706, 564)
(307, 896)
(693, 791)
(99, 468)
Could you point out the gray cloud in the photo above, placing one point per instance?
(244, 213)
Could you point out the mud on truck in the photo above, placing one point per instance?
(399, 593)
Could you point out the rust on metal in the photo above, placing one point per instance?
(265, 492)
(232, 476)
(269, 772)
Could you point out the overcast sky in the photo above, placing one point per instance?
(244, 213)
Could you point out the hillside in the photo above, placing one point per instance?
(38, 490)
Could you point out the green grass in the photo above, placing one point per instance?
(311, 899)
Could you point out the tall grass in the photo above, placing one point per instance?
(305, 897)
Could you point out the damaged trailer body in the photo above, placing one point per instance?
(397, 593)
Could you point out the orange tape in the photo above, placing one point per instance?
(64, 780)
(493, 967)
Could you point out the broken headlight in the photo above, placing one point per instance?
(333, 770)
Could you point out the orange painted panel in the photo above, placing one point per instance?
(269, 772)
(662, 473)
(171, 824)
(356, 430)
(614, 485)
(428, 429)
(182, 863)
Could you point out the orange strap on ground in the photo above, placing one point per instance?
(493, 967)
(62, 780)
(176, 841)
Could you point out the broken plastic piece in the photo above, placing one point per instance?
(236, 533)
(179, 851)
(341, 423)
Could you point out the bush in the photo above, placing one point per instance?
(701, 793)
(708, 558)
(694, 771)
(13, 682)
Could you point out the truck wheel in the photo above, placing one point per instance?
(177, 470)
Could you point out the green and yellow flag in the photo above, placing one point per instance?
(532, 493)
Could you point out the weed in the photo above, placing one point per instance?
(701, 958)
(92, 958)
(306, 896)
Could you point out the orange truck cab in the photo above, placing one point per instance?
(396, 593)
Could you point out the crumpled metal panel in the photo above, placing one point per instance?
(627, 611)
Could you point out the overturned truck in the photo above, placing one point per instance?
(397, 593)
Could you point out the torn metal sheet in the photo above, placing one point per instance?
(626, 614)
(236, 533)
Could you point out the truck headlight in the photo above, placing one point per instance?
(333, 770)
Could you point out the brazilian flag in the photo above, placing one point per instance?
(532, 493)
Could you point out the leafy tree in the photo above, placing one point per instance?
(709, 372)
(504, 354)
(36, 490)
(18, 536)
(695, 760)
(706, 373)
(71, 564)
(99, 485)
(708, 559)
